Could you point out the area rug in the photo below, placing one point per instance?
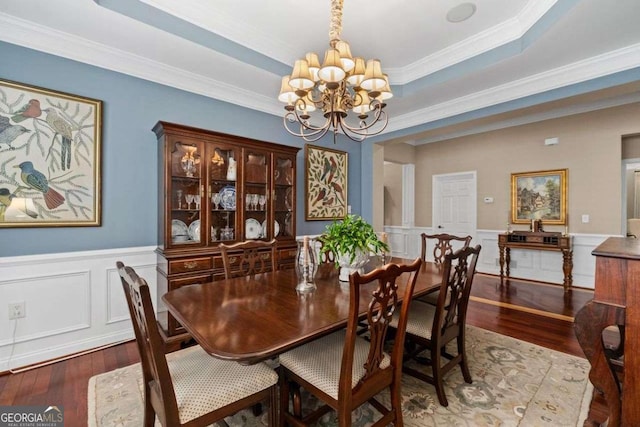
(515, 383)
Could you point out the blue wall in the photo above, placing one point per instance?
(131, 107)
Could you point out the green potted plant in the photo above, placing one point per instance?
(351, 240)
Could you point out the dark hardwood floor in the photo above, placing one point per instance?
(531, 311)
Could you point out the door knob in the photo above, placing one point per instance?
(440, 226)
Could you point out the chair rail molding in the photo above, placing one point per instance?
(73, 303)
(528, 264)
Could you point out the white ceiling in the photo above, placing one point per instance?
(522, 52)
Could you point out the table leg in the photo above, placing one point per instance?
(501, 250)
(567, 268)
(507, 259)
(589, 323)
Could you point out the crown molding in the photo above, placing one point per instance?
(577, 72)
(27, 34)
(494, 37)
(45, 39)
(205, 15)
(534, 118)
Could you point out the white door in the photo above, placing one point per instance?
(454, 203)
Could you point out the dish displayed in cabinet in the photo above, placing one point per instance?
(252, 229)
(179, 229)
(228, 198)
(194, 230)
(276, 228)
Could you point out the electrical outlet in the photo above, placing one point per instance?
(17, 310)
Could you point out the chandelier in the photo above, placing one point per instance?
(320, 98)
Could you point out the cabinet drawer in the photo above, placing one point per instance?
(287, 255)
(190, 264)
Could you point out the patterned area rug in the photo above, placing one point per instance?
(515, 383)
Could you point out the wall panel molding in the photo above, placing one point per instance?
(74, 302)
(544, 266)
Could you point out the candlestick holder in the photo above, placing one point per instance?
(306, 266)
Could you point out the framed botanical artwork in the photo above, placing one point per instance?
(539, 195)
(325, 183)
(50, 145)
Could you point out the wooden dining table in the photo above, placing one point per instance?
(254, 318)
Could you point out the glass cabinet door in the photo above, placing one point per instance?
(223, 200)
(284, 195)
(186, 192)
(256, 195)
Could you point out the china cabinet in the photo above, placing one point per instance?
(216, 188)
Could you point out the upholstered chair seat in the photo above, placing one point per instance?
(203, 384)
(319, 362)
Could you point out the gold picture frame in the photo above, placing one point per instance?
(50, 166)
(325, 183)
(539, 195)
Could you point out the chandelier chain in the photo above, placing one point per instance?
(335, 27)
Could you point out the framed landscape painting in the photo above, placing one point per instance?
(539, 195)
(50, 144)
(325, 183)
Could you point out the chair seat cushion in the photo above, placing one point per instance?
(419, 319)
(203, 383)
(319, 361)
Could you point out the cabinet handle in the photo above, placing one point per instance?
(202, 190)
(190, 264)
(233, 260)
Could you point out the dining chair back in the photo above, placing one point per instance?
(189, 386)
(345, 370)
(443, 244)
(248, 258)
(432, 327)
(326, 261)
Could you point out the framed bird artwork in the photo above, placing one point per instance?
(325, 183)
(50, 145)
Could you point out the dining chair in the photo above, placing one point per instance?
(345, 370)
(326, 261)
(248, 258)
(431, 327)
(192, 387)
(443, 244)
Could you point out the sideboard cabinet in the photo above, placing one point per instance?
(216, 188)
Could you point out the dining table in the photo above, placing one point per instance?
(254, 318)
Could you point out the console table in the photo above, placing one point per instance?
(540, 240)
(616, 302)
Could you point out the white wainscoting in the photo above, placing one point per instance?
(527, 264)
(73, 302)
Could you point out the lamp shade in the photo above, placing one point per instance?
(373, 78)
(385, 91)
(357, 73)
(331, 71)
(363, 102)
(287, 94)
(345, 55)
(314, 65)
(301, 77)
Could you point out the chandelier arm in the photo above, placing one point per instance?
(350, 133)
(309, 136)
(307, 125)
(380, 116)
